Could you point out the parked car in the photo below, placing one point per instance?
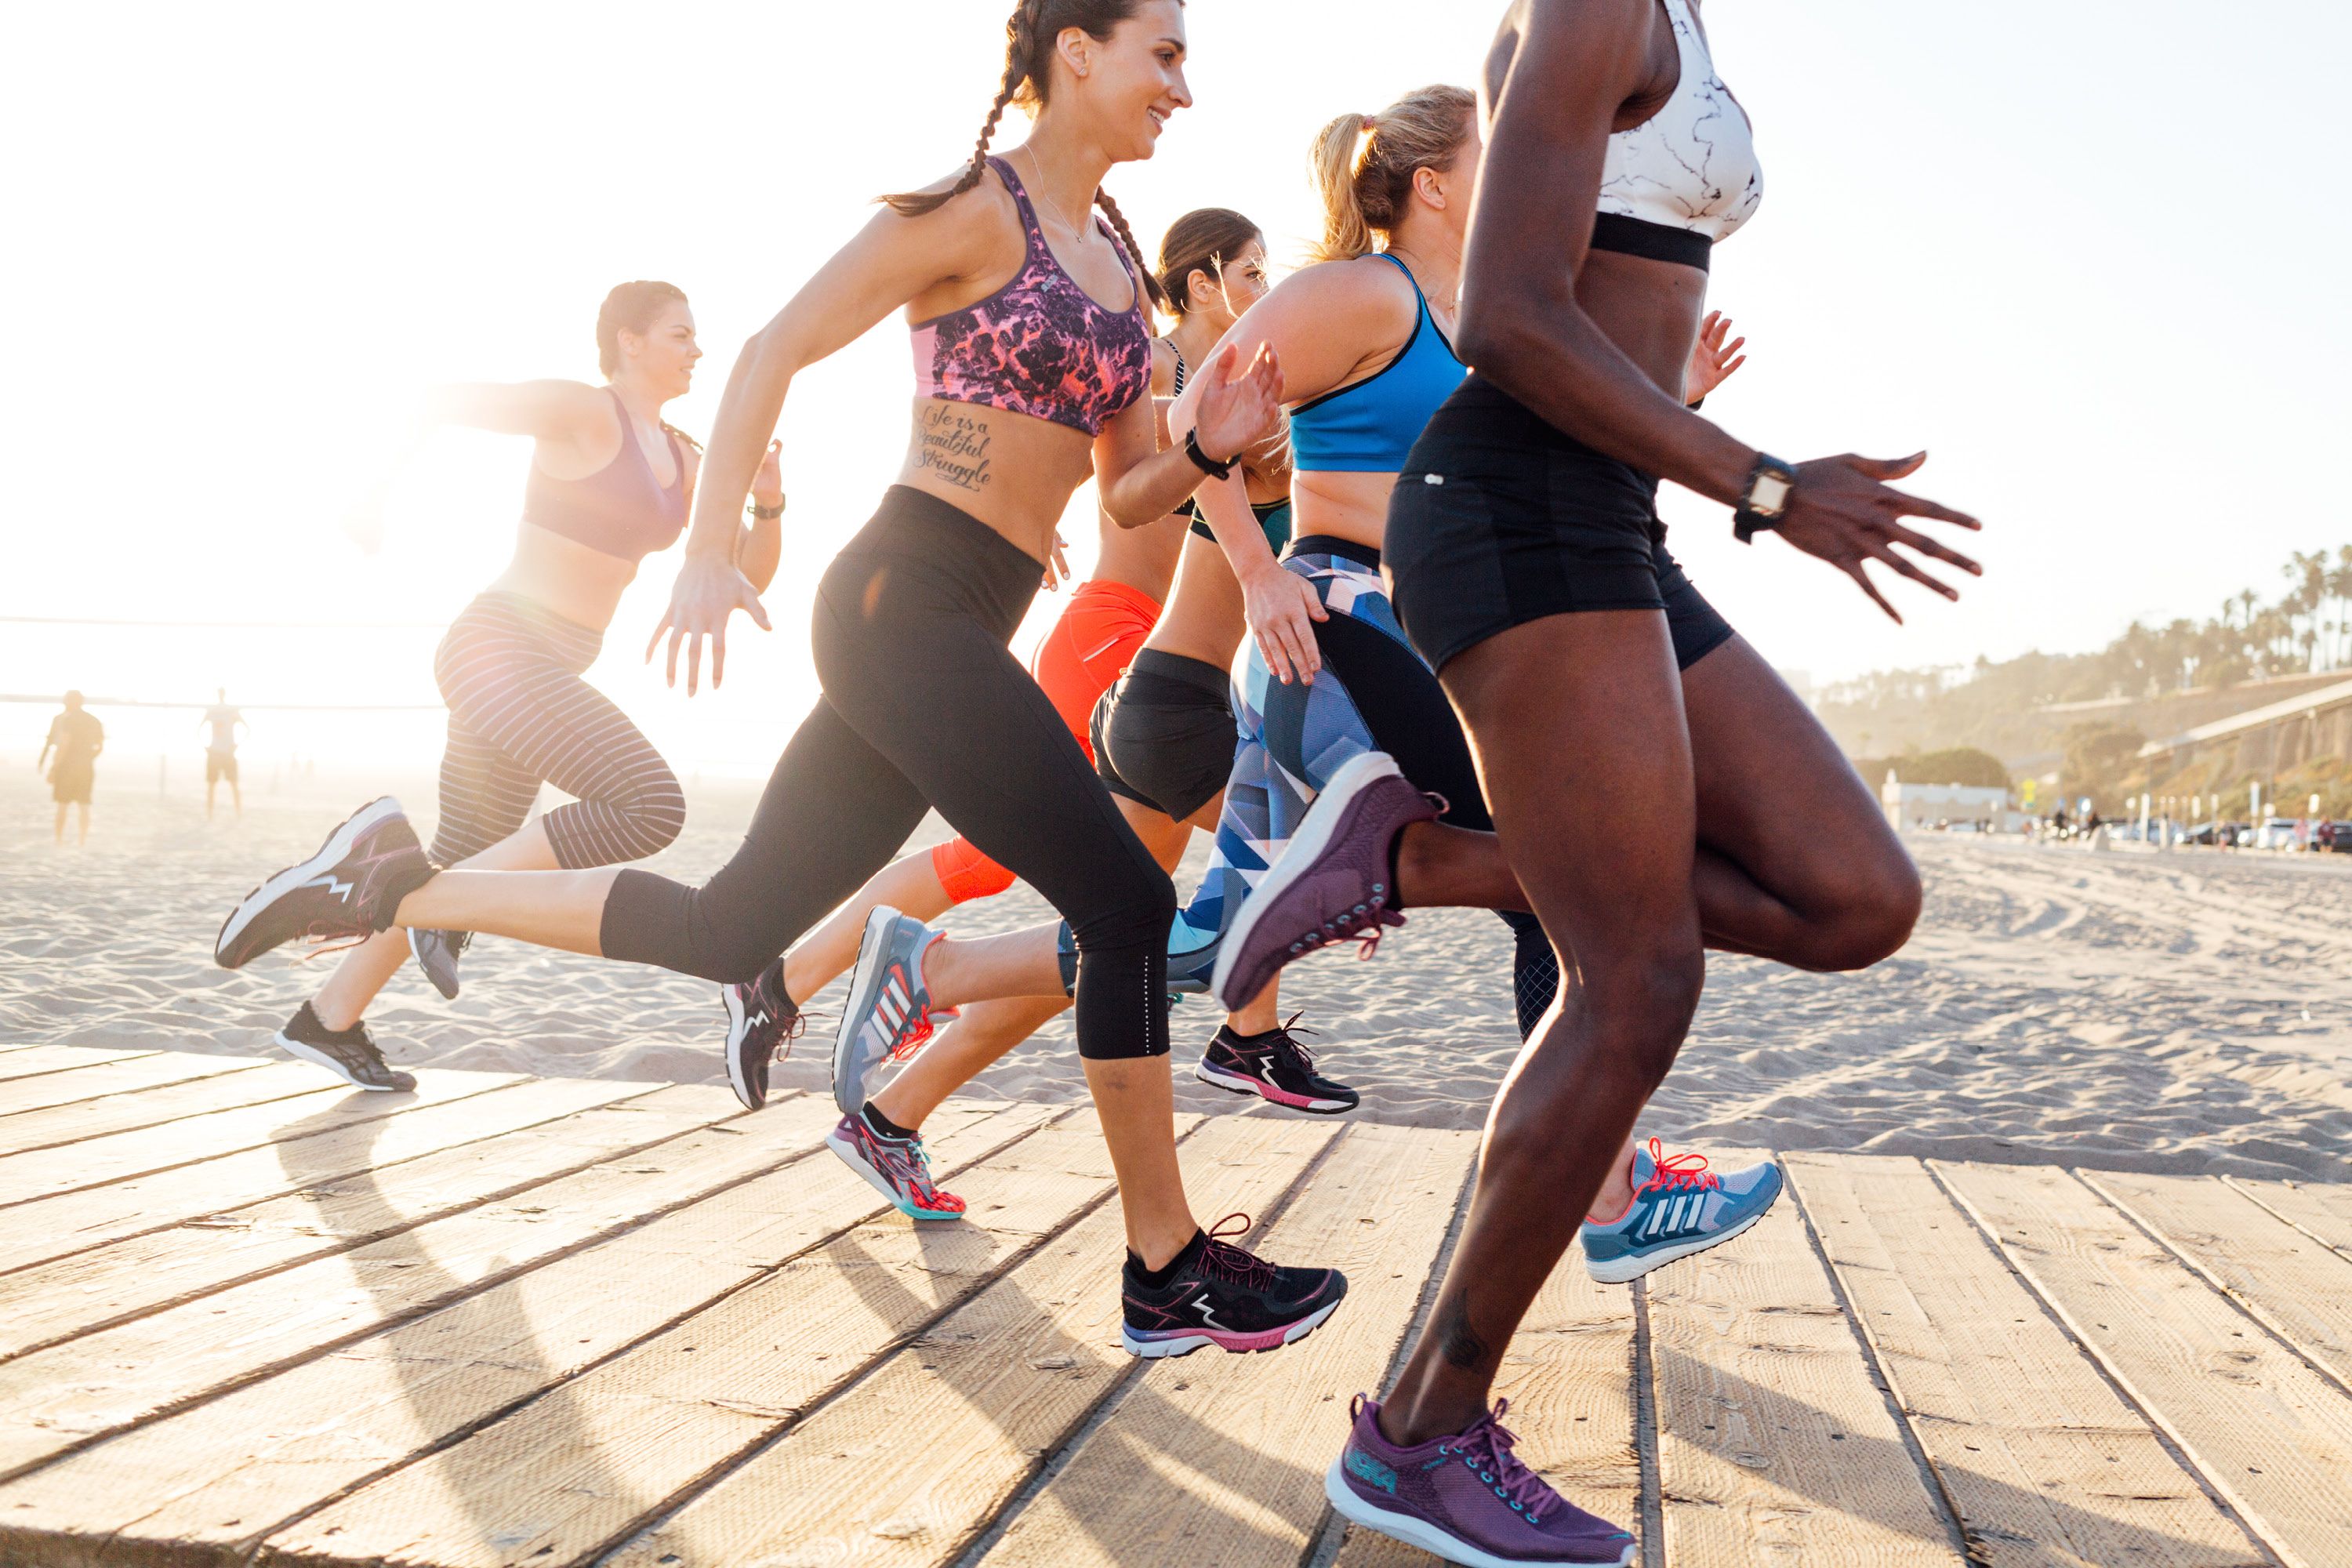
(2275, 833)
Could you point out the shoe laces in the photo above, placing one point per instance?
(1285, 1047)
(1486, 1449)
(1362, 925)
(1227, 1262)
(917, 1035)
(1672, 1170)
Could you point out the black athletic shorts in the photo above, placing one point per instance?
(1164, 734)
(1499, 518)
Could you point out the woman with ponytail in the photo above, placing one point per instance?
(609, 483)
(1033, 370)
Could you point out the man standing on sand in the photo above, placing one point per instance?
(76, 737)
(220, 753)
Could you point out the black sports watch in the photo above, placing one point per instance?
(765, 514)
(1203, 461)
(1765, 501)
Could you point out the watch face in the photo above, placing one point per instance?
(1768, 497)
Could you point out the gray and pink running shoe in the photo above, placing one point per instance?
(898, 1168)
(343, 894)
(1467, 1497)
(1334, 882)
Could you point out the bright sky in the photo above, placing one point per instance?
(2080, 252)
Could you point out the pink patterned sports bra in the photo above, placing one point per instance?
(1040, 345)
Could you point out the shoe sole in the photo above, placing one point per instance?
(1273, 1339)
(1624, 1270)
(319, 1059)
(1314, 835)
(880, 1183)
(1346, 1502)
(1235, 1083)
(862, 1001)
(449, 987)
(738, 1070)
(329, 853)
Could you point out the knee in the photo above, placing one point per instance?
(653, 816)
(1134, 914)
(1640, 1009)
(1869, 917)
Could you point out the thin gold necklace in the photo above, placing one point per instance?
(1078, 235)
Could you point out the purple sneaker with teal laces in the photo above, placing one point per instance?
(1466, 1498)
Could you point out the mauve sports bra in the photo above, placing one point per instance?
(620, 509)
(1040, 345)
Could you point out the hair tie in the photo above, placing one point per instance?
(1370, 125)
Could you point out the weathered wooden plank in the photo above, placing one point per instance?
(992, 1388)
(55, 1399)
(96, 1161)
(2318, 1210)
(2045, 1464)
(30, 1061)
(1223, 1462)
(120, 1075)
(2270, 1434)
(1569, 1375)
(2302, 1289)
(99, 1287)
(459, 1108)
(1774, 1443)
(568, 1475)
(205, 1485)
(122, 1112)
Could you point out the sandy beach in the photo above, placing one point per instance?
(2186, 1013)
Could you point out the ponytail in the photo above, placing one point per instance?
(1363, 165)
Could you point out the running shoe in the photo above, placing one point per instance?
(762, 1024)
(1679, 1207)
(1274, 1067)
(1335, 881)
(889, 1012)
(898, 1168)
(1466, 1498)
(346, 892)
(1224, 1296)
(436, 953)
(349, 1054)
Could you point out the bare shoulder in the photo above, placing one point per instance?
(967, 229)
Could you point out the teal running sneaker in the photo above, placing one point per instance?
(1680, 1207)
(889, 1012)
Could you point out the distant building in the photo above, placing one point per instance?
(1910, 805)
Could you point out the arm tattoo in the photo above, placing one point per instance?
(1456, 1340)
(952, 445)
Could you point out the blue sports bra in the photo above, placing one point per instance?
(1368, 427)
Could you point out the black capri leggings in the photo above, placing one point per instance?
(518, 713)
(923, 707)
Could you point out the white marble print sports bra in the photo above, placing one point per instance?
(1691, 166)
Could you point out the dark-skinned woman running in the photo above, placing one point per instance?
(1704, 803)
(610, 483)
(1033, 369)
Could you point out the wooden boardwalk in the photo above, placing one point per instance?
(247, 1316)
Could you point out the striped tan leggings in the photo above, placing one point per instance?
(519, 713)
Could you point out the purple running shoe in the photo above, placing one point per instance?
(344, 894)
(1335, 881)
(1467, 1497)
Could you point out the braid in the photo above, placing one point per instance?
(1144, 278)
(681, 435)
(1020, 55)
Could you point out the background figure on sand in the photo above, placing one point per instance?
(1029, 331)
(1528, 567)
(220, 751)
(76, 737)
(610, 482)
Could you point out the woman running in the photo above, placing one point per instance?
(610, 483)
(1033, 369)
(1212, 265)
(1707, 804)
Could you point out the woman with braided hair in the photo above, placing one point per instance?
(1032, 365)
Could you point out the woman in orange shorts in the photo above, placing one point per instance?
(1212, 263)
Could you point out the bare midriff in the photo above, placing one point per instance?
(1353, 507)
(1011, 471)
(1650, 310)
(565, 577)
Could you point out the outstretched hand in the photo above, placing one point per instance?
(705, 594)
(1712, 359)
(1238, 407)
(1844, 511)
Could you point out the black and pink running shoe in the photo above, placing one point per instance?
(1334, 882)
(1276, 1068)
(343, 894)
(762, 1024)
(1219, 1294)
(1467, 1497)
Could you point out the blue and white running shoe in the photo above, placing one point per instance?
(889, 1011)
(1679, 1207)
